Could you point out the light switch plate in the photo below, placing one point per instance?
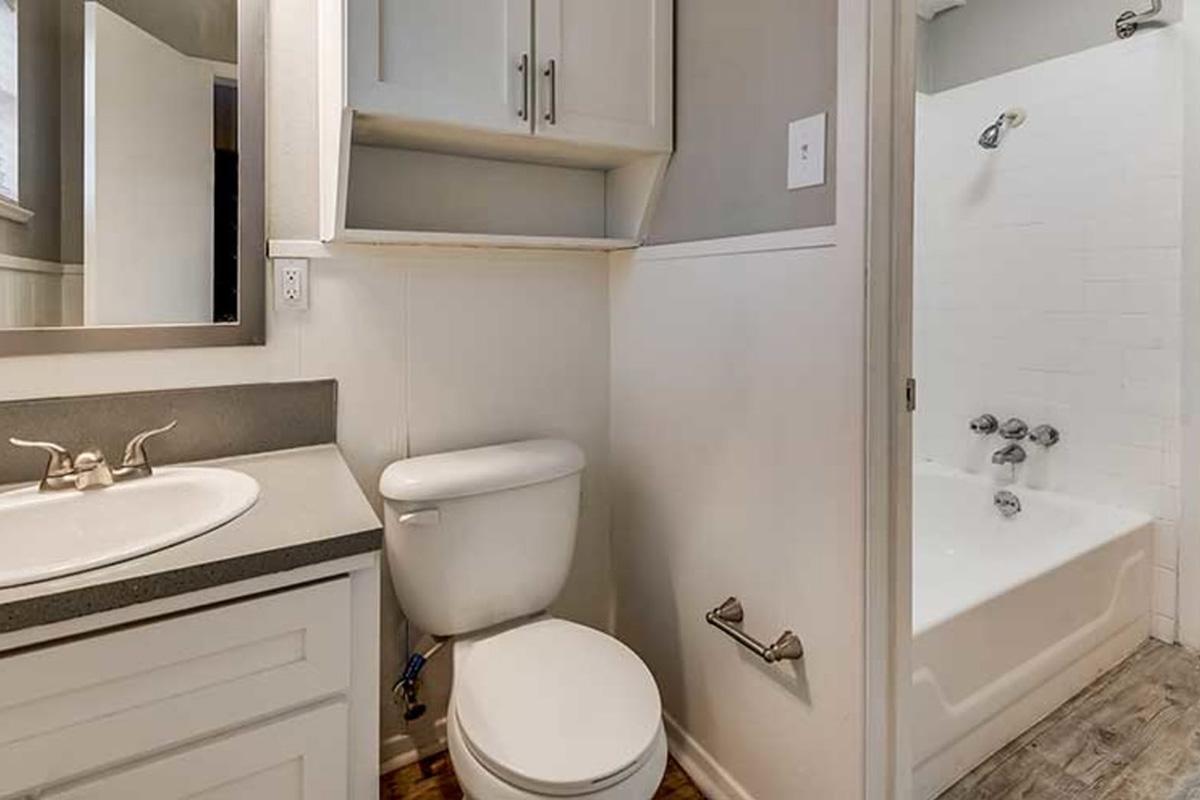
(806, 152)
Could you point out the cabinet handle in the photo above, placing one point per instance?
(552, 106)
(523, 71)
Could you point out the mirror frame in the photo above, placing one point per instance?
(250, 329)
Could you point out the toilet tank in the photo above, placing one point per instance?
(479, 537)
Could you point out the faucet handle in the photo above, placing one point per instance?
(59, 464)
(1014, 429)
(1045, 435)
(985, 425)
(135, 451)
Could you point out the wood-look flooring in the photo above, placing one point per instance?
(433, 779)
(1134, 734)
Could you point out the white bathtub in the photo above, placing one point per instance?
(1011, 617)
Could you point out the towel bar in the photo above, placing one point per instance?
(787, 647)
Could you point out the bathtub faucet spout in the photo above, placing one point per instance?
(1011, 453)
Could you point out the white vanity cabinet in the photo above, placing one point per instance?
(298, 758)
(263, 690)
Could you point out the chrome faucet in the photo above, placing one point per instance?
(90, 469)
(1011, 453)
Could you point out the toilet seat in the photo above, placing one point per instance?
(555, 708)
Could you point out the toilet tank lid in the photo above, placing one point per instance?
(445, 476)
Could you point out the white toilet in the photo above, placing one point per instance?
(479, 543)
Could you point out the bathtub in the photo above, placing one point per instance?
(1011, 617)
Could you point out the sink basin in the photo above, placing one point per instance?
(47, 535)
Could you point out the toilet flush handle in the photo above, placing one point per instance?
(422, 516)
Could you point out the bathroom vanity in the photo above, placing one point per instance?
(239, 664)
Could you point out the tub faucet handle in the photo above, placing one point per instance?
(984, 425)
(1045, 435)
(1014, 430)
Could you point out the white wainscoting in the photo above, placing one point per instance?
(37, 293)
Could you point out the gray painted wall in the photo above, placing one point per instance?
(39, 168)
(71, 134)
(743, 72)
(989, 37)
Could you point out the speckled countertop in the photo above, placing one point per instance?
(309, 510)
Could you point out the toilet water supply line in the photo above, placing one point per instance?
(407, 690)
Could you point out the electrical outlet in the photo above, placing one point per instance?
(291, 284)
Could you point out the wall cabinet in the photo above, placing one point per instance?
(579, 86)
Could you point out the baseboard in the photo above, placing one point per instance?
(397, 752)
(710, 777)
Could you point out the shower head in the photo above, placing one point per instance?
(990, 138)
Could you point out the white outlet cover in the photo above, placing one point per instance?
(806, 152)
(284, 267)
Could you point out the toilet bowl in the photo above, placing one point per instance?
(548, 708)
(479, 543)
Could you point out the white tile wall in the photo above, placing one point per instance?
(1047, 277)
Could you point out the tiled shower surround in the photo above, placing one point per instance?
(1047, 278)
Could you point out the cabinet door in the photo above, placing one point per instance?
(457, 62)
(605, 72)
(298, 758)
(86, 704)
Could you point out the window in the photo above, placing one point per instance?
(8, 100)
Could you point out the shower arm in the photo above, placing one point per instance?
(1128, 23)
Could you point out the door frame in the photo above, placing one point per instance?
(891, 112)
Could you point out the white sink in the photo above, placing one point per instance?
(50, 534)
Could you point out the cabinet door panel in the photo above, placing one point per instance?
(71, 708)
(612, 65)
(299, 758)
(441, 61)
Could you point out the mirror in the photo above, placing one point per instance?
(130, 174)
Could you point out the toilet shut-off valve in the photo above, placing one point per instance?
(406, 692)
